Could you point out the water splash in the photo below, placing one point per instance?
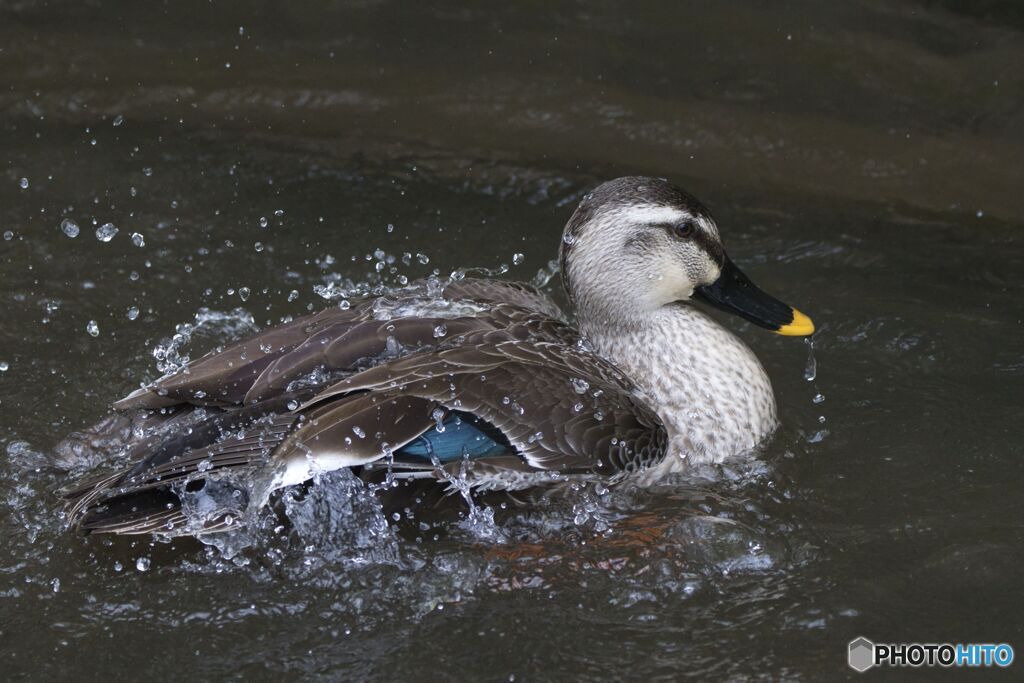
(479, 519)
(340, 519)
(546, 274)
(169, 353)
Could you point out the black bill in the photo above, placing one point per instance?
(734, 292)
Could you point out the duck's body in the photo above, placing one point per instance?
(712, 394)
(478, 380)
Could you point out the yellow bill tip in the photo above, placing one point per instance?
(801, 326)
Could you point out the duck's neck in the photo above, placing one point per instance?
(708, 388)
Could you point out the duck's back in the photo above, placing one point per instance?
(339, 340)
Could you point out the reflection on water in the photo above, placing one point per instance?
(862, 160)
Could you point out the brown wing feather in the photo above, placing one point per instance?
(516, 366)
(561, 408)
(262, 367)
(156, 471)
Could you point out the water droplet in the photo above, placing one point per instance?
(106, 232)
(258, 246)
(142, 564)
(391, 227)
(577, 407)
(358, 431)
(569, 239)
(811, 370)
(517, 258)
(8, 235)
(818, 398)
(441, 330)
(93, 329)
(4, 366)
(23, 183)
(133, 313)
(118, 120)
(293, 404)
(293, 295)
(264, 222)
(69, 227)
(138, 240)
(423, 258)
(580, 385)
(438, 415)
(244, 293)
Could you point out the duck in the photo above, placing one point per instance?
(476, 384)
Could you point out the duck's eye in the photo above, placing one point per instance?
(685, 229)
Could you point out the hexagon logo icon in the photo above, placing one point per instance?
(862, 654)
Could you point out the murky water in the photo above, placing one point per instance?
(863, 161)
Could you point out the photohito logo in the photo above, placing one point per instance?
(862, 654)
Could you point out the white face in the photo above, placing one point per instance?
(642, 256)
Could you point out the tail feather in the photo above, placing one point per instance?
(140, 499)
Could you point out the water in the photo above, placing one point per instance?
(862, 161)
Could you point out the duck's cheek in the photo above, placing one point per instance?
(667, 287)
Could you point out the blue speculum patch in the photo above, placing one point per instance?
(460, 438)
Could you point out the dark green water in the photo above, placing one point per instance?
(861, 158)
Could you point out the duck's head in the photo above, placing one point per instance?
(636, 244)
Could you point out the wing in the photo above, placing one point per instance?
(563, 412)
(371, 330)
(230, 410)
(561, 409)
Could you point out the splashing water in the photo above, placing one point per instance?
(233, 324)
(339, 516)
(545, 275)
(479, 520)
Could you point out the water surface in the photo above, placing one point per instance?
(862, 161)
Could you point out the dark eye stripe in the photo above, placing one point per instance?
(705, 241)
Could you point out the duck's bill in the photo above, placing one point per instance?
(734, 292)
